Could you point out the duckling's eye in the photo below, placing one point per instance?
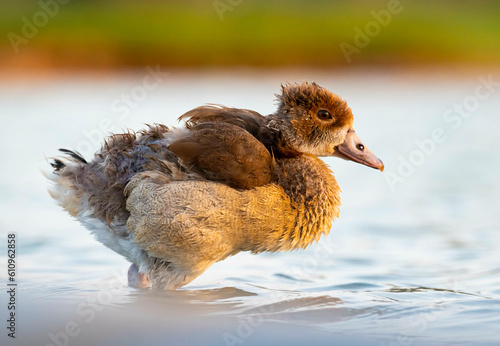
(324, 115)
(360, 147)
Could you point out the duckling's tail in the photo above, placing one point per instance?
(65, 189)
(58, 165)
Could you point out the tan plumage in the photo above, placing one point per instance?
(175, 201)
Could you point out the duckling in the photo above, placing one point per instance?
(173, 201)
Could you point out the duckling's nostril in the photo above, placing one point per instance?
(360, 147)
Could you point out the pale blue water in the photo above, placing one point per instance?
(412, 260)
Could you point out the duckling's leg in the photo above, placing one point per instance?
(136, 279)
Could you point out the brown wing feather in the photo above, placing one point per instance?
(225, 152)
(251, 121)
(244, 118)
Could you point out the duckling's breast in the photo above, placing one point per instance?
(196, 223)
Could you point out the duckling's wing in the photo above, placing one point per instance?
(244, 118)
(225, 152)
(251, 121)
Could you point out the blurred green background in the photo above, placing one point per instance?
(197, 33)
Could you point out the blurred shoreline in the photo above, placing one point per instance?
(453, 71)
(111, 35)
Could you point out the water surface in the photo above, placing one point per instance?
(413, 259)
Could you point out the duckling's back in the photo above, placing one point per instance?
(96, 187)
(218, 151)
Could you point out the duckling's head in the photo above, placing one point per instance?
(313, 120)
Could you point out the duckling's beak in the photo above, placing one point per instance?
(354, 149)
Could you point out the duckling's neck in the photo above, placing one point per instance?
(308, 181)
(299, 216)
(313, 192)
